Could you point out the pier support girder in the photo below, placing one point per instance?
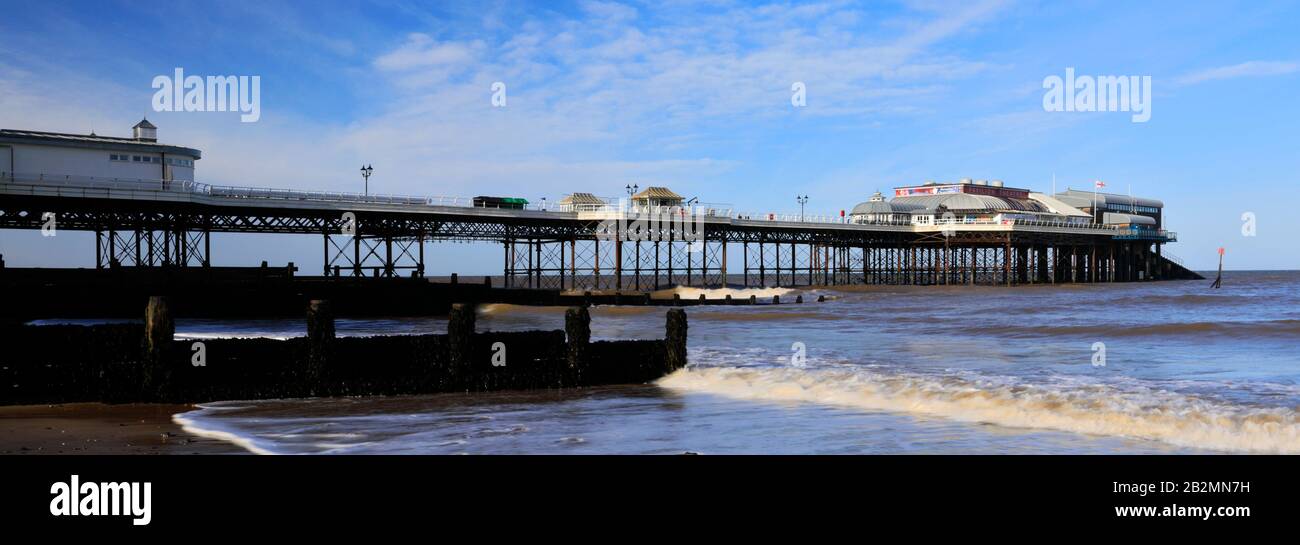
(376, 256)
(152, 248)
(596, 264)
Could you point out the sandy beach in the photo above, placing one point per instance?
(96, 428)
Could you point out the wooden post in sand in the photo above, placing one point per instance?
(675, 339)
(320, 343)
(577, 332)
(460, 336)
(159, 330)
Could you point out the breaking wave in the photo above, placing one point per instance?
(762, 316)
(1081, 408)
(720, 293)
(1187, 299)
(1243, 330)
(189, 423)
(495, 309)
(194, 336)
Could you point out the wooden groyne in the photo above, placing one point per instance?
(276, 292)
(120, 363)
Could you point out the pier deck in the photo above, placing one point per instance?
(150, 223)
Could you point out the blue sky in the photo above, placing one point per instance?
(692, 96)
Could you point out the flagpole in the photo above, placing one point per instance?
(1094, 200)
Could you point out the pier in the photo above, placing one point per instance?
(169, 224)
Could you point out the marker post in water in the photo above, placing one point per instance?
(1218, 280)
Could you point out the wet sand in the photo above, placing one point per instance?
(96, 428)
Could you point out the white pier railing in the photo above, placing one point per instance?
(146, 189)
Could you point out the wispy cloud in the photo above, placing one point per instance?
(596, 96)
(587, 91)
(421, 51)
(1245, 69)
(700, 67)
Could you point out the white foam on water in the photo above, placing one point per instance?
(213, 431)
(719, 293)
(491, 309)
(189, 336)
(204, 423)
(1081, 408)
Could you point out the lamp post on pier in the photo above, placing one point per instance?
(365, 173)
(803, 199)
(631, 190)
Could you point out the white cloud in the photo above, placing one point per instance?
(609, 11)
(1245, 69)
(421, 51)
(953, 22)
(592, 103)
(700, 65)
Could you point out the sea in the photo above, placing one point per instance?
(1156, 367)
